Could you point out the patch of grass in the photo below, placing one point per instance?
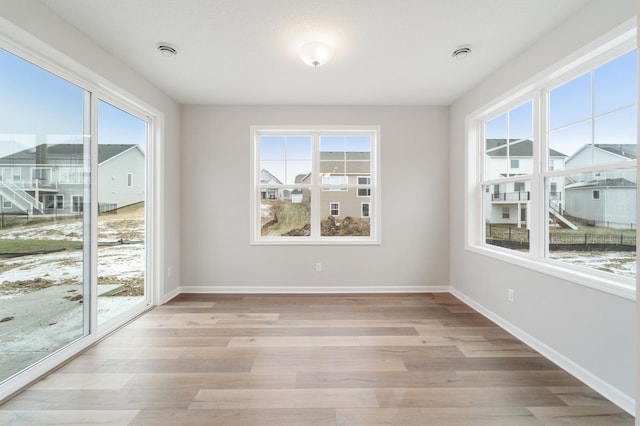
(21, 246)
(290, 216)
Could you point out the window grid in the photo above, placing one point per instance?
(345, 186)
(545, 179)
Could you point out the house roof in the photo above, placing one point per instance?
(268, 178)
(602, 183)
(524, 148)
(624, 151)
(627, 150)
(66, 151)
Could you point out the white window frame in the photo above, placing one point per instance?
(55, 198)
(335, 181)
(35, 169)
(129, 180)
(12, 173)
(74, 203)
(362, 215)
(615, 44)
(7, 204)
(65, 174)
(315, 185)
(336, 208)
(366, 190)
(32, 49)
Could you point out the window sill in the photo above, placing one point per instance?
(308, 242)
(618, 286)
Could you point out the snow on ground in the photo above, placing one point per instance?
(58, 319)
(72, 230)
(120, 262)
(620, 263)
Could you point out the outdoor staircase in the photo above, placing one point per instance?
(20, 198)
(555, 212)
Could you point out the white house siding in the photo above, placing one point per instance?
(113, 180)
(616, 207)
(588, 156)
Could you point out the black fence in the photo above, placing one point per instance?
(510, 236)
(9, 220)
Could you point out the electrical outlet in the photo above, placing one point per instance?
(318, 267)
(511, 295)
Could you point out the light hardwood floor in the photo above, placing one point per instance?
(414, 359)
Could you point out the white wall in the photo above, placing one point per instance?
(216, 254)
(41, 22)
(592, 332)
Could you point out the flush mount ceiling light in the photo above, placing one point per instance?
(461, 52)
(315, 54)
(167, 51)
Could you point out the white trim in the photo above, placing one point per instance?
(615, 395)
(172, 294)
(596, 280)
(255, 237)
(616, 43)
(28, 47)
(368, 216)
(331, 208)
(239, 289)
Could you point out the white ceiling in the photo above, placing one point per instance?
(388, 52)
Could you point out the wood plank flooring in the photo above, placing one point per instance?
(414, 359)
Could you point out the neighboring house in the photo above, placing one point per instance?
(336, 168)
(344, 168)
(47, 179)
(609, 198)
(273, 194)
(508, 203)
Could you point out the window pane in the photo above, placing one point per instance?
(341, 213)
(594, 220)
(615, 136)
(616, 83)
(332, 143)
(358, 144)
(341, 188)
(272, 148)
(284, 159)
(358, 163)
(570, 102)
(121, 211)
(42, 297)
(509, 143)
(285, 212)
(298, 148)
(496, 131)
(572, 145)
(507, 215)
(521, 122)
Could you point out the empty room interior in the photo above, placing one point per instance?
(340, 212)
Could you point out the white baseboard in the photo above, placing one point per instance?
(616, 396)
(170, 295)
(237, 289)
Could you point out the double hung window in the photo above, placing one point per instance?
(309, 185)
(557, 172)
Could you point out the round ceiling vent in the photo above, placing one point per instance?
(461, 52)
(167, 51)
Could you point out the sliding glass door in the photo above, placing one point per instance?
(121, 211)
(43, 229)
(72, 214)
